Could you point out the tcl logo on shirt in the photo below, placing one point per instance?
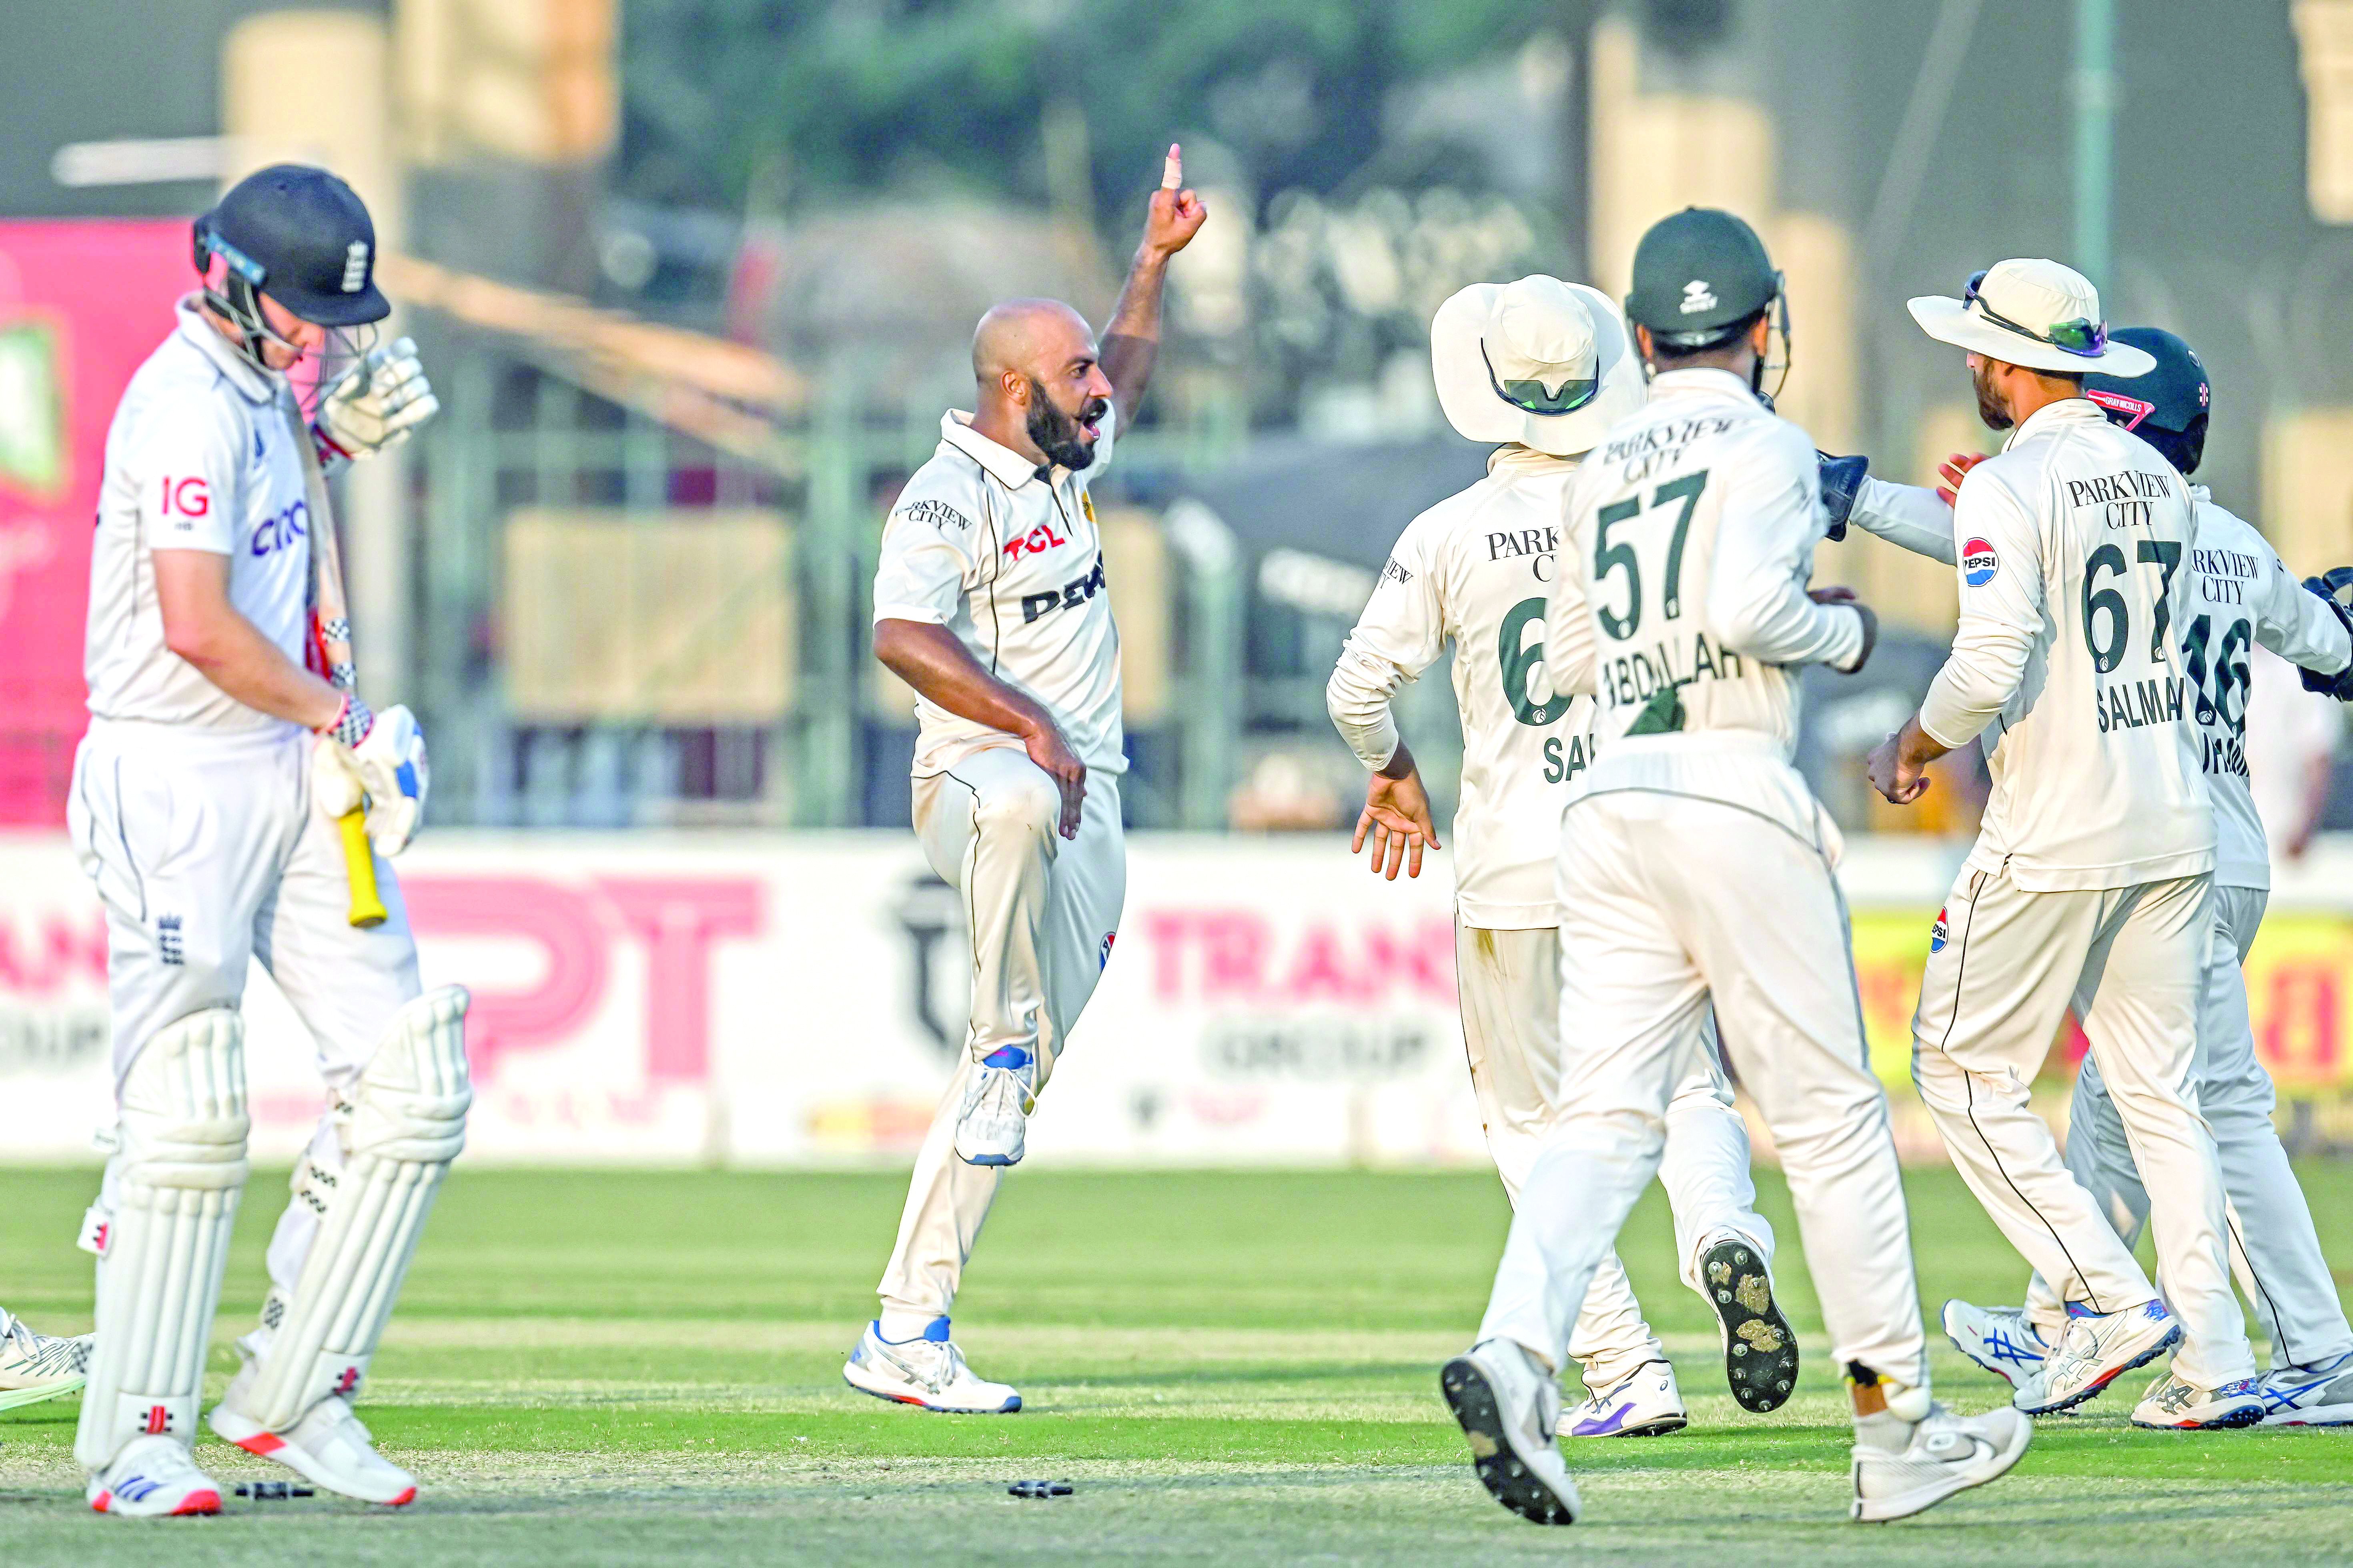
(1037, 541)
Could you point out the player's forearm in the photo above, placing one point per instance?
(230, 652)
(1131, 342)
(943, 671)
(1976, 684)
(1358, 697)
(1774, 622)
(1911, 517)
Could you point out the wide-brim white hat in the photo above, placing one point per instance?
(1542, 329)
(2029, 297)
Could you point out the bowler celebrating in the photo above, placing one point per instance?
(990, 602)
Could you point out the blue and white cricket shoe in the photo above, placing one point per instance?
(153, 1477)
(2319, 1395)
(2096, 1349)
(2000, 1339)
(928, 1372)
(1643, 1404)
(993, 1121)
(2174, 1404)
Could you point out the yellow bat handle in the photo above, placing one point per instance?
(367, 904)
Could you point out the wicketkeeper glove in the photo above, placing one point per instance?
(2332, 587)
(383, 770)
(377, 403)
(1841, 478)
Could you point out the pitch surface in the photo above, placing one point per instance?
(617, 1368)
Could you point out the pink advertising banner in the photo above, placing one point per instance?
(82, 305)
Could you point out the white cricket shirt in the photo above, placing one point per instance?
(1476, 570)
(2077, 583)
(1011, 560)
(201, 455)
(1682, 602)
(2244, 596)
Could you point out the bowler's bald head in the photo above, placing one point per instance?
(1035, 338)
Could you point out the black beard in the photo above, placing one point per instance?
(1057, 433)
(1989, 407)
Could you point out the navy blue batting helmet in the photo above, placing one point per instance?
(2166, 407)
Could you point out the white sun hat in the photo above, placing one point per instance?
(2035, 313)
(1504, 353)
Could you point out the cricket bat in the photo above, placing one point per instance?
(330, 656)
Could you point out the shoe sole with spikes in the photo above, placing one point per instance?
(1760, 1349)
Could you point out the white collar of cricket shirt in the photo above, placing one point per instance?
(2060, 413)
(256, 386)
(1009, 467)
(1702, 378)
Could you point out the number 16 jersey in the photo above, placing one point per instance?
(2076, 588)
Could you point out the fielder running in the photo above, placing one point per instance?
(203, 804)
(2244, 597)
(1698, 868)
(1545, 368)
(2092, 880)
(989, 601)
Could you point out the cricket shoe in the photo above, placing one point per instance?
(329, 1445)
(153, 1477)
(928, 1371)
(995, 1119)
(2002, 1340)
(34, 1367)
(1948, 1454)
(2175, 1404)
(2321, 1395)
(1509, 1408)
(1643, 1404)
(2096, 1349)
(1760, 1349)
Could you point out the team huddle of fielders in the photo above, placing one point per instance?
(1646, 892)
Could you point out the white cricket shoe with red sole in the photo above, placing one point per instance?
(330, 1447)
(927, 1372)
(154, 1478)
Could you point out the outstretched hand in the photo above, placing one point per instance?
(1397, 818)
(1176, 213)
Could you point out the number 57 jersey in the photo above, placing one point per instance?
(2077, 577)
(1682, 604)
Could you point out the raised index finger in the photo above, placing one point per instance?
(1172, 169)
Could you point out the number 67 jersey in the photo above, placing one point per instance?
(2077, 589)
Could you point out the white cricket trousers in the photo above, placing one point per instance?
(208, 856)
(1670, 902)
(1042, 910)
(2275, 1251)
(1509, 983)
(2129, 959)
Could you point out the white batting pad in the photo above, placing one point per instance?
(160, 1231)
(407, 1123)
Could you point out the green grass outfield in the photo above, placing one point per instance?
(615, 1368)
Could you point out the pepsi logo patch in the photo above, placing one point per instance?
(1978, 562)
(1102, 953)
(1938, 933)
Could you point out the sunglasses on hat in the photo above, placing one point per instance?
(1531, 395)
(2078, 336)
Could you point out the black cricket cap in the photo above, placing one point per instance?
(1697, 275)
(304, 238)
(2166, 407)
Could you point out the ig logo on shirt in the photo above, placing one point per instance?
(1978, 564)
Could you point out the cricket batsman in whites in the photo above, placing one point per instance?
(206, 801)
(989, 601)
(1545, 368)
(1697, 870)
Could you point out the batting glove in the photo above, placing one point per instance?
(386, 771)
(378, 402)
(2332, 588)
